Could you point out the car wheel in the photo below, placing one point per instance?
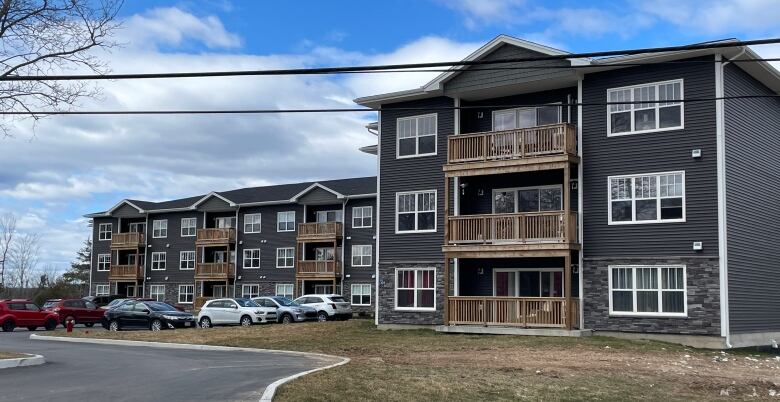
(89, 324)
(113, 326)
(322, 316)
(287, 319)
(8, 326)
(50, 324)
(246, 321)
(157, 325)
(31, 328)
(205, 322)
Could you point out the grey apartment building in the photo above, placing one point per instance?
(511, 198)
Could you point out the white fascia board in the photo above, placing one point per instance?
(212, 194)
(312, 187)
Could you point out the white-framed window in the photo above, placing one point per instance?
(250, 291)
(361, 255)
(251, 258)
(362, 217)
(104, 262)
(657, 107)
(158, 260)
(160, 228)
(186, 294)
(647, 290)
(285, 221)
(333, 215)
(415, 289)
(157, 292)
(526, 117)
(361, 294)
(284, 290)
(285, 257)
(104, 231)
(415, 211)
(252, 223)
(416, 136)
(188, 227)
(646, 198)
(102, 290)
(528, 199)
(186, 259)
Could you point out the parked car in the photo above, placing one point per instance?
(329, 307)
(287, 311)
(24, 313)
(80, 311)
(101, 301)
(234, 311)
(118, 302)
(152, 315)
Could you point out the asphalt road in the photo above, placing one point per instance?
(90, 372)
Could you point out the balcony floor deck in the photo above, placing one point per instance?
(499, 330)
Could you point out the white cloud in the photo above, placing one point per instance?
(715, 17)
(173, 26)
(481, 12)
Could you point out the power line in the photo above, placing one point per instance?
(354, 69)
(345, 110)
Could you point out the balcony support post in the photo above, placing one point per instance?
(446, 309)
(567, 289)
(446, 208)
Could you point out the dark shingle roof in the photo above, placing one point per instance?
(348, 187)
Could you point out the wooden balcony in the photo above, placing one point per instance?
(320, 231)
(129, 240)
(527, 149)
(510, 235)
(199, 302)
(215, 236)
(526, 312)
(126, 273)
(206, 271)
(308, 269)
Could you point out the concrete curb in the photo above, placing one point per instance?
(270, 390)
(30, 360)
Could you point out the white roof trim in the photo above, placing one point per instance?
(120, 203)
(312, 187)
(209, 195)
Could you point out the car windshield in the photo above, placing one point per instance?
(116, 302)
(246, 303)
(160, 306)
(337, 299)
(285, 301)
(50, 304)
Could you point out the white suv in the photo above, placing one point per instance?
(234, 311)
(328, 306)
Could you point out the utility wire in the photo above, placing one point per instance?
(342, 110)
(352, 69)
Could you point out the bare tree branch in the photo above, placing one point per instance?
(7, 232)
(45, 37)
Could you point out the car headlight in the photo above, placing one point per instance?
(172, 317)
(258, 312)
(297, 310)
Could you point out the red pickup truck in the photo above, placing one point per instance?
(24, 313)
(79, 311)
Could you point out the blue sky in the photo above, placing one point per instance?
(69, 166)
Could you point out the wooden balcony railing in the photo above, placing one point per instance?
(319, 230)
(127, 240)
(214, 270)
(553, 139)
(125, 272)
(513, 311)
(215, 236)
(318, 268)
(199, 302)
(526, 227)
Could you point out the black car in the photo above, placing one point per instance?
(103, 300)
(151, 315)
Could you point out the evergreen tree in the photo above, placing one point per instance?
(78, 274)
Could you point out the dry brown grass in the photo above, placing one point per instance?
(425, 365)
(9, 355)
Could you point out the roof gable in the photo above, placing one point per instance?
(314, 189)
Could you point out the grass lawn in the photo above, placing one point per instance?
(425, 365)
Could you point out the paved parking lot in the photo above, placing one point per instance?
(89, 372)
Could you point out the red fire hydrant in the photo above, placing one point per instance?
(69, 325)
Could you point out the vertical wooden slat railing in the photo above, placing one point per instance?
(316, 230)
(131, 271)
(215, 235)
(213, 270)
(536, 227)
(127, 239)
(527, 312)
(318, 267)
(553, 139)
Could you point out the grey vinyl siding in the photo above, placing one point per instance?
(470, 122)
(478, 78)
(648, 153)
(752, 197)
(318, 195)
(359, 236)
(172, 245)
(268, 240)
(101, 247)
(214, 203)
(412, 174)
(126, 210)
